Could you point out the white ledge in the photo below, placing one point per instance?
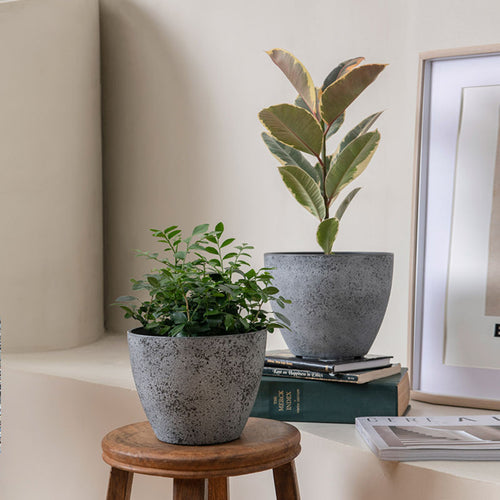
(103, 362)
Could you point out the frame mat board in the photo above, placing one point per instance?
(414, 343)
(469, 339)
(492, 306)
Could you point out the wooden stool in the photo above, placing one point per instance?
(197, 470)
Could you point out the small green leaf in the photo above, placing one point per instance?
(350, 163)
(297, 74)
(305, 190)
(227, 242)
(219, 228)
(212, 313)
(251, 274)
(171, 234)
(129, 313)
(177, 331)
(179, 317)
(326, 234)
(340, 70)
(345, 203)
(282, 318)
(293, 126)
(360, 129)
(344, 91)
(125, 298)
(228, 321)
(212, 250)
(153, 281)
(202, 228)
(138, 285)
(181, 255)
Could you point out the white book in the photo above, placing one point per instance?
(432, 438)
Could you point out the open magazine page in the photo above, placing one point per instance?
(430, 438)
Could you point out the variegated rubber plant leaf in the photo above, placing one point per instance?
(345, 203)
(297, 74)
(289, 156)
(334, 127)
(360, 129)
(340, 70)
(293, 126)
(318, 169)
(326, 234)
(299, 102)
(350, 163)
(304, 189)
(344, 91)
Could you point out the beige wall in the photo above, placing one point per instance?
(183, 83)
(50, 174)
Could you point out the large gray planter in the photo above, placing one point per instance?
(338, 300)
(197, 390)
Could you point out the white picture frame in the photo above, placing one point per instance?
(443, 76)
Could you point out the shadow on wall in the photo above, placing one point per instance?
(151, 149)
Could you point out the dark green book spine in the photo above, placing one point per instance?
(301, 400)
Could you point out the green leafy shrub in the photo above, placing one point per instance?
(204, 287)
(305, 127)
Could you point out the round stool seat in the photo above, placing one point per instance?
(201, 472)
(264, 444)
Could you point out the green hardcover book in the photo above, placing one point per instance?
(302, 400)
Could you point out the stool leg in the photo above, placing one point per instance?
(218, 488)
(285, 482)
(189, 489)
(120, 484)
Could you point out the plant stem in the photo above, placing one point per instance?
(187, 306)
(324, 165)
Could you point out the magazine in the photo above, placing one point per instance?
(432, 438)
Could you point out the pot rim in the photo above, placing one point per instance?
(321, 254)
(133, 331)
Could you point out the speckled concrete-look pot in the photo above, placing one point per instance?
(338, 300)
(197, 390)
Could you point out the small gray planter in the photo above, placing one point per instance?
(197, 390)
(338, 300)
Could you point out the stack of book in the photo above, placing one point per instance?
(315, 390)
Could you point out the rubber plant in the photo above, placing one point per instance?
(307, 125)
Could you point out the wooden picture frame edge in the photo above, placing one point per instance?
(426, 397)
